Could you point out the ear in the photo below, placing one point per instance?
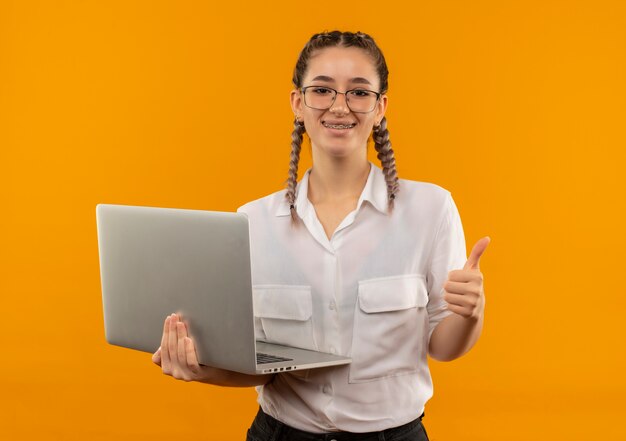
(381, 107)
(296, 102)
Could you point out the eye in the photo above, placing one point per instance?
(321, 90)
(360, 93)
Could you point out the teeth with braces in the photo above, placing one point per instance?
(338, 126)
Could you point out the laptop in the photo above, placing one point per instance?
(156, 261)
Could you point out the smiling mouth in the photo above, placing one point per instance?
(338, 126)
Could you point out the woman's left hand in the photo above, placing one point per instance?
(464, 288)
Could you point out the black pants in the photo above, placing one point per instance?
(266, 428)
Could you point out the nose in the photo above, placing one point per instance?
(340, 105)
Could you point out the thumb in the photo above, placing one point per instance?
(477, 252)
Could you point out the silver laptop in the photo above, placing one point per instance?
(156, 261)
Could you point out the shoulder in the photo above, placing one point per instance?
(432, 203)
(427, 203)
(423, 194)
(266, 205)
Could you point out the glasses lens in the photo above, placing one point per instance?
(322, 98)
(319, 97)
(361, 100)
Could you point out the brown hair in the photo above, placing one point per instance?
(380, 135)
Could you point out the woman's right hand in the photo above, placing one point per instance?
(177, 353)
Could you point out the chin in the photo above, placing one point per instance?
(339, 151)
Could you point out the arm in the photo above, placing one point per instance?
(454, 336)
(456, 297)
(464, 294)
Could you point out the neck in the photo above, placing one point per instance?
(337, 179)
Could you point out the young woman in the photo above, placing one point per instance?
(350, 260)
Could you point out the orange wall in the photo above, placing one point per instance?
(518, 108)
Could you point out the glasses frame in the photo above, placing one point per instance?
(303, 90)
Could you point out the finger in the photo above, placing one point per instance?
(466, 301)
(459, 310)
(477, 251)
(190, 353)
(458, 287)
(166, 361)
(156, 357)
(182, 356)
(173, 341)
(465, 275)
(192, 358)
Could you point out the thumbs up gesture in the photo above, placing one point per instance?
(464, 288)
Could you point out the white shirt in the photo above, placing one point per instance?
(372, 292)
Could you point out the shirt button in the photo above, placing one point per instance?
(332, 306)
(333, 350)
(326, 390)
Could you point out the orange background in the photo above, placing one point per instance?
(518, 108)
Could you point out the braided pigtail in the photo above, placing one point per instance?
(292, 181)
(365, 42)
(387, 159)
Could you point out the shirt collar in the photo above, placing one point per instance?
(375, 192)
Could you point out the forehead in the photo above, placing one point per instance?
(342, 65)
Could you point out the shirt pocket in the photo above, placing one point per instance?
(390, 327)
(286, 314)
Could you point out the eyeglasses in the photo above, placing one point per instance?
(323, 97)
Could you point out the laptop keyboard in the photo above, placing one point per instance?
(267, 358)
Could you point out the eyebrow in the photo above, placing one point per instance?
(360, 80)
